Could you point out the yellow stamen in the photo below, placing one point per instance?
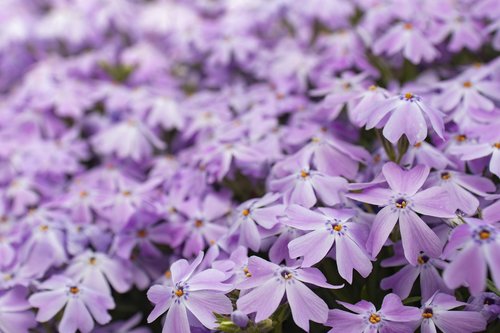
(374, 318)
(401, 203)
(417, 145)
(408, 26)
(143, 233)
(247, 272)
(245, 212)
(408, 96)
(445, 175)
(179, 292)
(496, 145)
(461, 137)
(198, 223)
(92, 260)
(304, 174)
(74, 290)
(427, 313)
(337, 227)
(44, 227)
(372, 87)
(126, 193)
(484, 234)
(84, 194)
(168, 274)
(467, 84)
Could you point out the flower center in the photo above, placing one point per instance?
(247, 272)
(84, 194)
(198, 223)
(408, 96)
(484, 234)
(179, 292)
(374, 318)
(245, 212)
(44, 227)
(92, 260)
(496, 145)
(74, 290)
(461, 137)
(372, 87)
(445, 175)
(427, 313)
(337, 227)
(286, 274)
(401, 203)
(488, 301)
(304, 174)
(408, 26)
(168, 274)
(467, 84)
(143, 233)
(126, 193)
(422, 259)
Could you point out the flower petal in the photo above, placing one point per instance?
(305, 305)
(418, 237)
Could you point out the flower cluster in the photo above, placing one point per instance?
(249, 166)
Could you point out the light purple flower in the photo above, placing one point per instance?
(330, 228)
(262, 212)
(459, 187)
(400, 203)
(437, 311)
(15, 314)
(426, 269)
(270, 282)
(302, 185)
(393, 316)
(82, 305)
(200, 293)
(129, 138)
(479, 245)
(99, 271)
(408, 38)
(488, 304)
(405, 114)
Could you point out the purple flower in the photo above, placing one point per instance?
(437, 312)
(393, 316)
(270, 282)
(330, 227)
(402, 282)
(15, 314)
(98, 271)
(200, 293)
(400, 203)
(488, 145)
(128, 139)
(408, 38)
(302, 185)
(202, 225)
(82, 305)
(405, 114)
(262, 212)
(488, 304)
(479, 245)
(459, 187)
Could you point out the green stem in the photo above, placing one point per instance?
(389, 149)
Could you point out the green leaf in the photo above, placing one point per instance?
(413, 299)
(491, 286)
